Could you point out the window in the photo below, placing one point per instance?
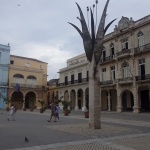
(31, 80)
(66, 80)
(140, 39)
(87, 76)
(142, 68)
(104, 54)
(126, 70)
(104, 74)
(41, 66)
(112, 53)
(72, 79)
(27, 65)
(124, 44)
(112, 72)
(18, 78)
(80, 77)
(12, 62)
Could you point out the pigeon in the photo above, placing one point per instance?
(26, 139)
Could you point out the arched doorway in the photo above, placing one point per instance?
(145, 99)
(127, 101)
(17, 99)
(80, 98)
(104, 100)
(72, 99)
(66, 96)
(87, 98)
(113, 99)
(30, 100)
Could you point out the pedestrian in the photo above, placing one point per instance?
(57, 111)
(12, 112)
(53, 112)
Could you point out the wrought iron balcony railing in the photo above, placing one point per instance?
(27, 85)
(106, 82)
(143, 48)
(106, 59)
(143, 77)
(84, 80)
(3, 84)
(123, 52)
(125, 80)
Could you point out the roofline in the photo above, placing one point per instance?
(28, 58)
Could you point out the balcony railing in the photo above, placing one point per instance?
(27, 85)
(143, 77)
(106, 59)
(143, 48)
(84, 80)
(123, 52)
(3, 84)
(125, 80)
(106, 82)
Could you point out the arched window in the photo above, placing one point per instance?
(18, 78)
(31, 77)
(126, 70)
(31, 80)
(140, 39)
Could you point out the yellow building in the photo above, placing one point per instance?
(27, 82)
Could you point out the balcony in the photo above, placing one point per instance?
(107, 59)
(124, 53)
(3, 84)
(142, 49)
(143, 78)
(69, 83)
(126, 80)
(27, 85)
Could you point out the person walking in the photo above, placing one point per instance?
(12, 112)
(53, 112)
(57, 111)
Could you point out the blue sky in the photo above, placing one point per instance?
(39, 29)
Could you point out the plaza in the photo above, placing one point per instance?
(120, 131)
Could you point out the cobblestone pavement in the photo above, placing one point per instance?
(124, 131)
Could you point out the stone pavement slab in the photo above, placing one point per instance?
(72, 132)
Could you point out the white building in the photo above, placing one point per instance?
(124, 70)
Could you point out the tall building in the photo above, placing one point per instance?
(4, 62)
(124, 70)
(27, 81)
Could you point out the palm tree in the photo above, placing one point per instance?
(93, 45)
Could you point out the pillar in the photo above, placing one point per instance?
(109, 104)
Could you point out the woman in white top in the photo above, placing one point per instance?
(12, 112)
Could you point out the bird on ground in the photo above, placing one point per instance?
(26, 139)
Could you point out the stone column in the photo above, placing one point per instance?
(23, 106)
(76, 108)
(119, 100)
(136, 107)
(84, 102)
(109, 105)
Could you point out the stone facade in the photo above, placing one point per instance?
(4, 62)
(124, 71)
(27, 82)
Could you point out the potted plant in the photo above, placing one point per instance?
(42, 106)
(7, 101)
(66, 104)
(86, 113)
